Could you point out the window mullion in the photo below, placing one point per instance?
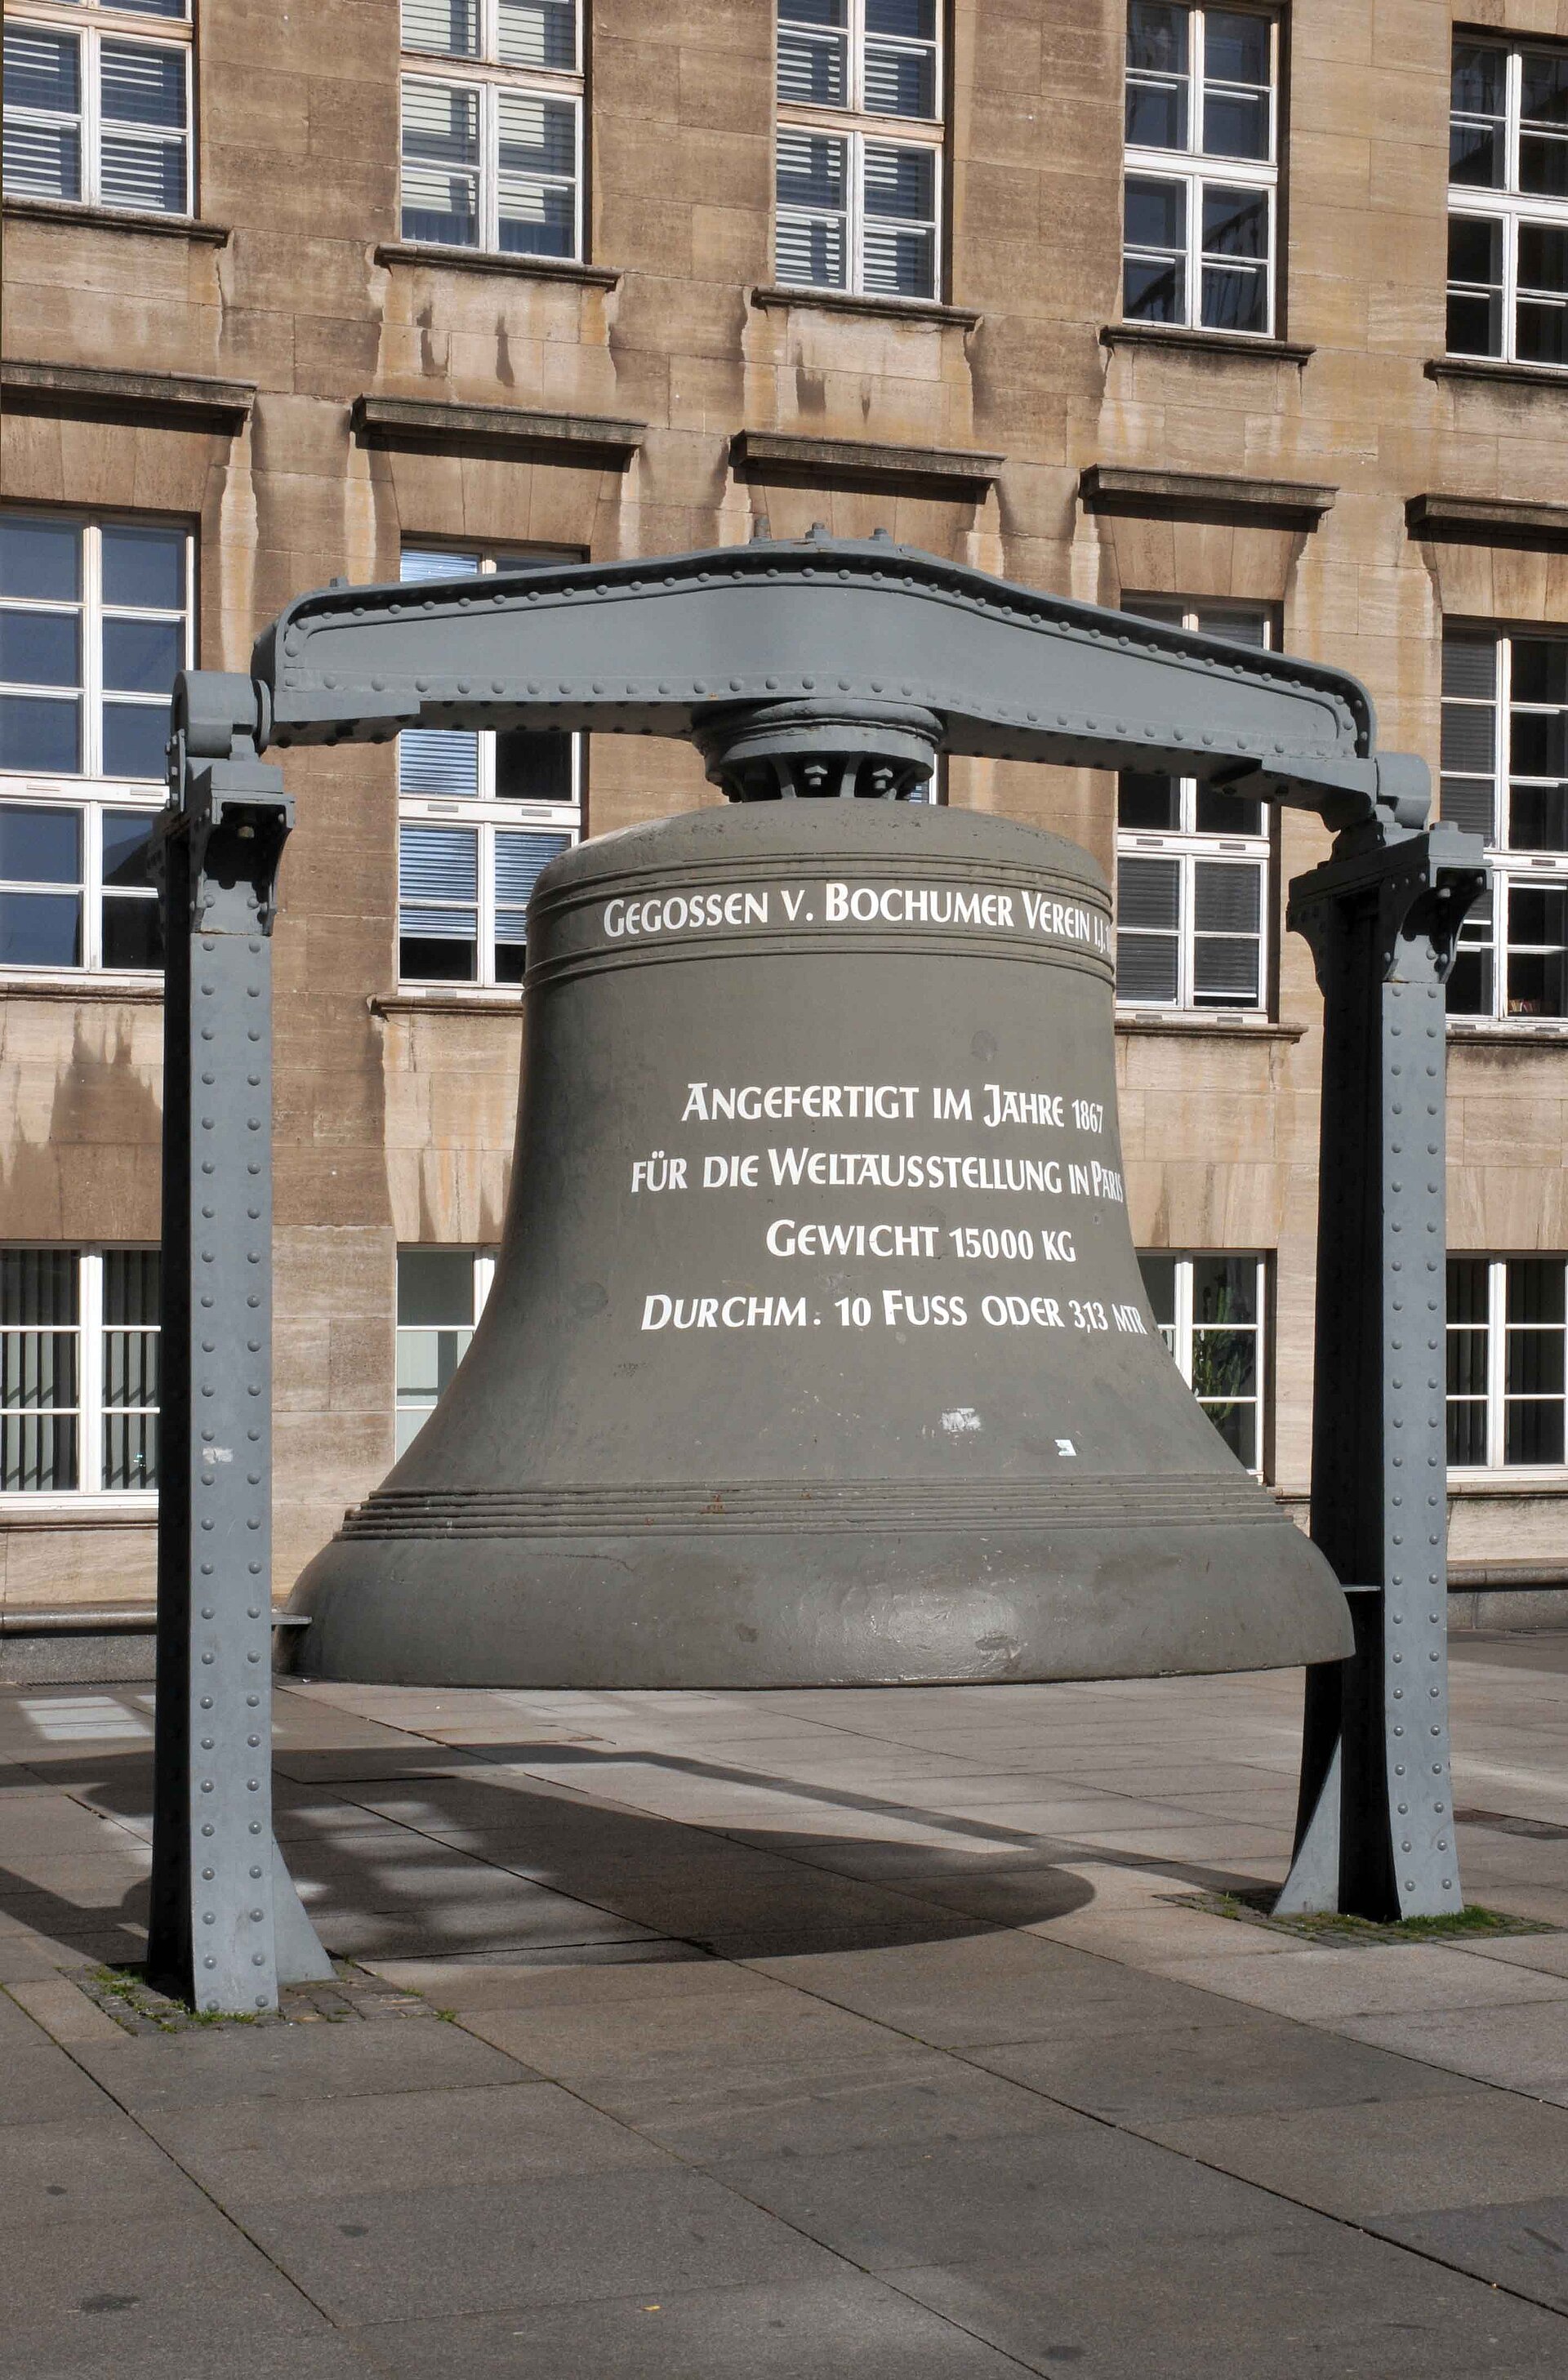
(92, 886)
(1497, 1366)
(91, 117)
(1186, 976)
(1183, 1317)
(1261, 1359)
(490, 167)
(89, 1372)
(1194, 70)
(92, 652)
(1513, 88)
(485, 855)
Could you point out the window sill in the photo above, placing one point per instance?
(1483, 368)
(126, 991)
(1186, 1026)
(67, 212)
(1498, 1036)
(75, 1511)
(773, 297)
(89, 392)
(476, 1000)
(1204, 343)
(1509, 1483)
(485, 260)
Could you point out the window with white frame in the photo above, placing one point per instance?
(441, 1295)
(479, 814)
(1508, 200)
(78, 1371)
(1192, 867)
(859, 146)
(492, 126)
(1200, 212)
(1506, 1320)
(94, 623)
(98, 104)
(1210, 1313)
(1505, 778)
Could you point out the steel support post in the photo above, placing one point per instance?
(1374, 1833)
(226, 1925)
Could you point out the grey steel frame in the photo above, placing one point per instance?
(795, 668)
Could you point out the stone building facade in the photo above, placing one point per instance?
(1149, 310)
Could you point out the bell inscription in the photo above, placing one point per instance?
(818, 1351)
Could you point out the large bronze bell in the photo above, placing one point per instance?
(818, 1351)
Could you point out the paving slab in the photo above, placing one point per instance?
(250, 2153)
(1523, 2247)
(1171, 2071)
(1518, 2048)
(411, 2254)
(1301, 2302)
(1363, 2160)
(41, 2083)
(96, 2168)
(1327, 1986)
(843, 2323)
(152, 2072)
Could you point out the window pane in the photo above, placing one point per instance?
(440, 760)
(40, 846)
(440, 162)
(1540, 669)
(435, 1287)
(1466, 1363)
(1533, 1432)
(41, 648)
(438, 863)
(43, 72)
(1475, 325)
(130, 1287)
(40, 558)
(442, 948)
(1235, 222)
(519, 860)
(1468, 733)
(813, 73)
(143, 85)
(1148, 892)
(1543, 86)
(1543, 257)
(1235, 124)
(1479, 74)
(1218, 812)
(907, 20)
(1224, 1290)
(1156, 37)
(141, 656)
(1470, 985)
(1148, 801)
(131, 1450)
(1156, 213)
(1468, 1434)
(1469, 665)
(418, 565)
(133, 935)
(1237, 1425)
(1543, 165)
(41, 161)
(900, 181)
(134, 735)
(1541, 333)
(39, 929)
(1534, 1362)
(814, 12)
(451, 27)
(1537, 818)
(1227, 899)
(1156, 115)
(533, 766)
(38, 1288)
(812, 254)
(1467, 1289)
(538, 33)
(40, 736)
(1474, 249)
(1160, 1287)
(1235, 47)
(1535, 1289)
(900, 82)
(810, 170)
(143, 569)
(1468, 802)
(127, 848)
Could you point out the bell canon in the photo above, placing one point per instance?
(818, 1351)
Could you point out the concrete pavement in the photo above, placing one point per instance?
(791, 2034)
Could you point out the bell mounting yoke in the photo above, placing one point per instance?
(841, 667)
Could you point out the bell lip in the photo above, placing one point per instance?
(896, 1608)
